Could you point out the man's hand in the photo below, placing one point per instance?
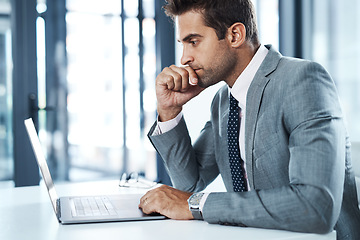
(167, 201)
(173, 90)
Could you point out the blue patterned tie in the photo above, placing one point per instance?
(233, 128)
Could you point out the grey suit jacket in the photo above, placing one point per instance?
(297, 154)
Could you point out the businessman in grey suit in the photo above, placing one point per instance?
(291, 166)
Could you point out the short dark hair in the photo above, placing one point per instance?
(219, 14)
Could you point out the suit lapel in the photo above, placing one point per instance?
(253, 103)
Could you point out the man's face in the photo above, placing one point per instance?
(212, 59)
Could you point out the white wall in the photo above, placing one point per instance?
(197, 110)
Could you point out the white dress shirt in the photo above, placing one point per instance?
(239, 91)
(241, 87)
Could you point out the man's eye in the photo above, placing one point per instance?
(194, 42)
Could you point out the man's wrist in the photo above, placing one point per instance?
(163, 127)
(168, 114)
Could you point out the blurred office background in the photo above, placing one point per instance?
(84, 70)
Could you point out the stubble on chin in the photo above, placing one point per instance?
(208, 80)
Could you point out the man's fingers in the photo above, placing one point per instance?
(173, 90)
(170, 79)
(168, 82)
(167, 201)
(146, 207)
(178, 78)
(193, 77)
(147, 203)
(181, 77)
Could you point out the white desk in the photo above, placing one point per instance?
(26, 213)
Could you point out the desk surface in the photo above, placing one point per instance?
(26, 213)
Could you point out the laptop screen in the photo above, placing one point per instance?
(40, 157)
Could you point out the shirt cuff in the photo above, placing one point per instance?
(163, 127)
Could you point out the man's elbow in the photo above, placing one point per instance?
(323, 226)
(325, 215)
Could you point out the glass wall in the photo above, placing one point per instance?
(6, 137)
(336, 37)
(268, 21)
(94, 82)
(111, 67)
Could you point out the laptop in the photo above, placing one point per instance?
(86, 209)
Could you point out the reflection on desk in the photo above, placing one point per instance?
(26, 213)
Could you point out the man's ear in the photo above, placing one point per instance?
(236, 34)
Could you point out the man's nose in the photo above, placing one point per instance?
(186, 57)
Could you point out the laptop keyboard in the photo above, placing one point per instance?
(92, 206)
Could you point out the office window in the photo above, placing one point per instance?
(96, 88)
(268, 21)
(110, 76)
(94, 83)
(6, 137)
(336, 37)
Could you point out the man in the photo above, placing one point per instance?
(279, 143)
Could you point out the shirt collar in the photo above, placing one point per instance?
(242, 83)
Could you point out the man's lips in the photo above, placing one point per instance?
(195, 68)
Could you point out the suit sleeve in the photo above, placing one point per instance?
(191, 168)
